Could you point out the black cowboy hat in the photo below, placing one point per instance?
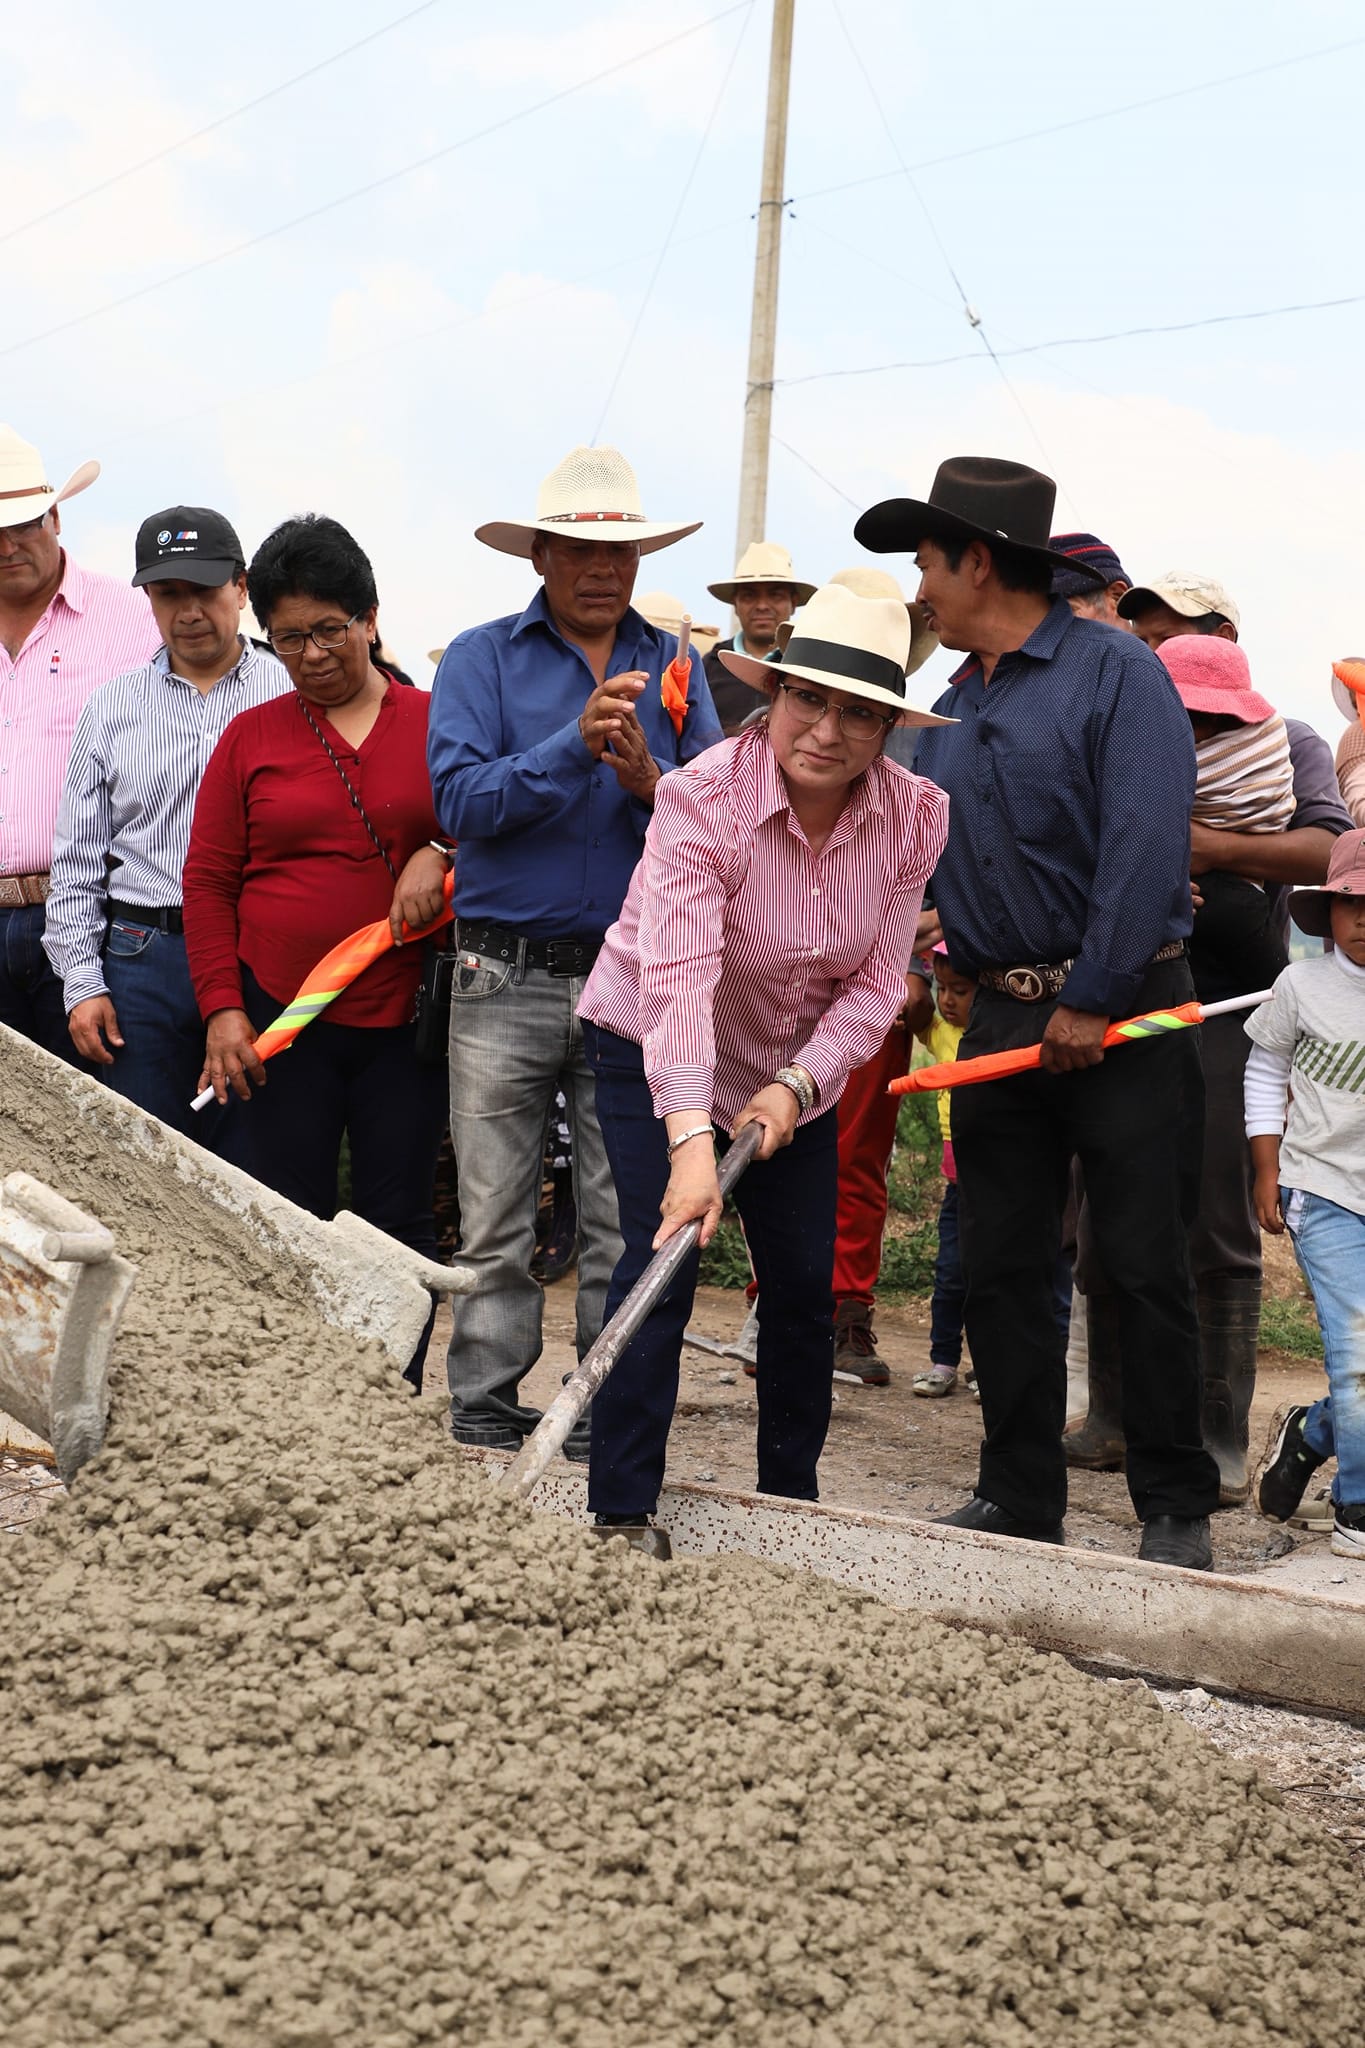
(974, 497)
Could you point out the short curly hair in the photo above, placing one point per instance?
(311, 556)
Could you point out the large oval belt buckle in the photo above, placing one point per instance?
(1025, 984)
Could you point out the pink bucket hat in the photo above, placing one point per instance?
(1311, 909)
(1214, 675)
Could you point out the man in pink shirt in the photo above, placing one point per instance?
(63, 630)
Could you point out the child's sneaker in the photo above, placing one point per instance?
(1348, 1534)
(1290, 1464)
(940, 1379)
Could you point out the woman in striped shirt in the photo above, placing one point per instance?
(760, 956)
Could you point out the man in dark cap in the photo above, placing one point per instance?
(1085, 555)
(1064, 891)
(115, 923)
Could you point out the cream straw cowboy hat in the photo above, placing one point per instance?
(25, 492)
(843, 642)
(665, 611)
(592, 495)
(763, 561)
(877, 583)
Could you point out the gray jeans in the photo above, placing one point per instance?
(515, 1039)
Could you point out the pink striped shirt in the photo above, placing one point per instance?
(94, 628)
(739, 950)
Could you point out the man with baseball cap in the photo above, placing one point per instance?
(63, 629)
(115, 925)
(1064, 892)
(764, 591)
(1225, 1236)
(548, 733)
(1083, 554)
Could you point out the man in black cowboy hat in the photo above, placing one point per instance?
(1064, 889)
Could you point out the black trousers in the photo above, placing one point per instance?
(1136, 1125)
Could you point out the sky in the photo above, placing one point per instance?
(399, 288)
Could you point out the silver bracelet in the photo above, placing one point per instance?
(800, 1087)
(447, 853)
(686, 1137)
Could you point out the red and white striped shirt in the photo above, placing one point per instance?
(738, 950)
(94, 628)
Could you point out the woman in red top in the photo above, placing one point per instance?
(315, 817)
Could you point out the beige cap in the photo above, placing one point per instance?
(1193, 597)
(763, 561)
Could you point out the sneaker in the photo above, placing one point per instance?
(745, 1346)
(972, 1388)
(939, 1380)
(1290, 1464)
(855, 1345)
(1348, 1533)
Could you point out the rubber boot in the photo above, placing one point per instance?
(1229, 1328)
(1098, 1446)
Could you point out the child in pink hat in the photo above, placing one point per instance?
(1244, 783)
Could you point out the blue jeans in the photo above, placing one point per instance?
(950, 1288)
(515, 1043)
(30, 993)
(1329, 1244)
(787, 1205)
(158, 1066)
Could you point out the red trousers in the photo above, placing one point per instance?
(867, 1131)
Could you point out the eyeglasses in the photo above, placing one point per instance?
(859, 721)
(326, 637)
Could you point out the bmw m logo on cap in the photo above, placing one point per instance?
(163, 537)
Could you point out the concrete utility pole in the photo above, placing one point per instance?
(758, 404)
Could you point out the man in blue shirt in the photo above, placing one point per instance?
(1064, 891)
(548, 733)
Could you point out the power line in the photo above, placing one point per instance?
(372, 185)
(828, 482)
(158, 156)
(1160, 99)
(672, 225)
(974, 320)
(1033, 348)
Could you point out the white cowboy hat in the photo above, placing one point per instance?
(1348, 687)
(877, 583)
(666, 612)
(25, 492)
(763, 561)
(592, 495)
(859, 645)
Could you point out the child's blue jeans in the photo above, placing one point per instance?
(1329, 1244)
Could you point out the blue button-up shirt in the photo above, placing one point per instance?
(1071, 776)
(548, 839)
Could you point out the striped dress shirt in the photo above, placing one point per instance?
(94, 628)
(739, 950)
(123, 826)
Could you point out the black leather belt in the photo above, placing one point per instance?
(565, 957)
(169, 919)
(1040, 981)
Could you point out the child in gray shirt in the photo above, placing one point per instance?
(1308, 1062)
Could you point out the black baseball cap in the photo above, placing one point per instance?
(188, 542)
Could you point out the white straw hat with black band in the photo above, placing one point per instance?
(25, 492)
(839, 641)
(592, 495)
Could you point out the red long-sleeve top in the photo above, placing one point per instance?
(280, 867)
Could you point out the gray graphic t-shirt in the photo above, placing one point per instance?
(1316, 1020)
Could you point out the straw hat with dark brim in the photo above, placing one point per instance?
(763, 561)
(1311, 909)
(858, 645)
(592, 495)
(25, 492)
(974, 497)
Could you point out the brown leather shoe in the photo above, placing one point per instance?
(855, 1345)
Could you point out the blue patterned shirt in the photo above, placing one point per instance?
(548, 839)
(1071, 777)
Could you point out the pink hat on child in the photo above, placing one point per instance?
(1214, 675)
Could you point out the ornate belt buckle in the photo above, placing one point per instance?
(1025, 984)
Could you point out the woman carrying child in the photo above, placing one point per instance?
(1308, 1063)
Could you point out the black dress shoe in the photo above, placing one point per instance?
(984, 1514)
(1178, 1539)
